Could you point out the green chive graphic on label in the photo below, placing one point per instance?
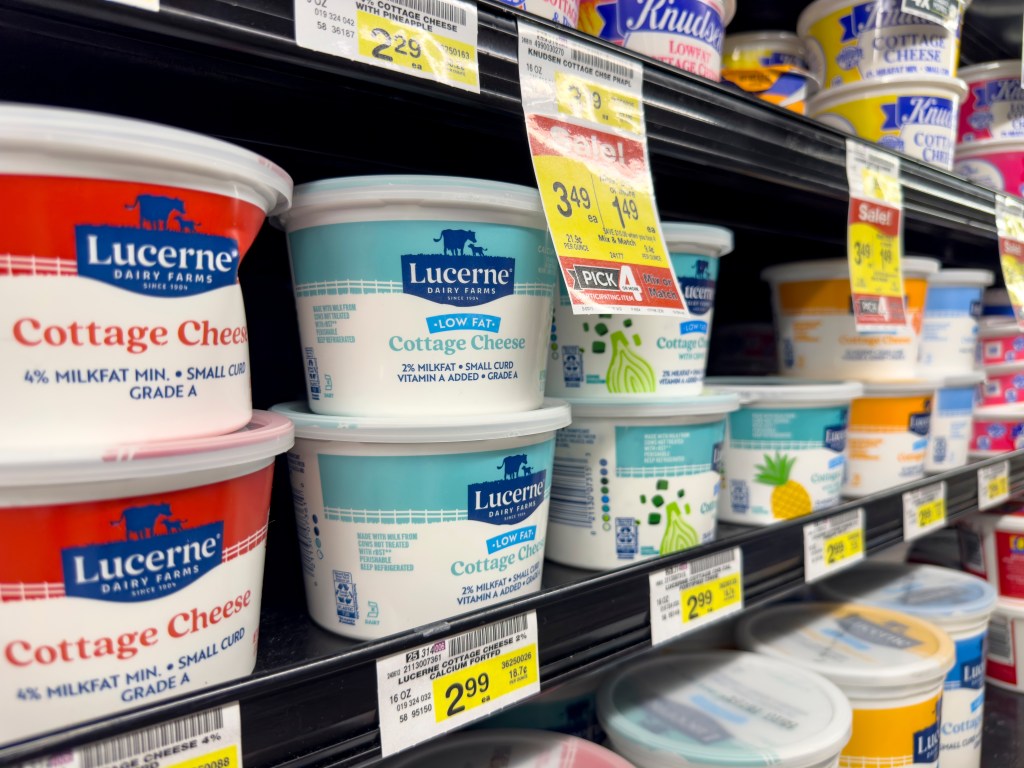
(679, 534)
(627, 371)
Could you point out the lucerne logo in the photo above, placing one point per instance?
(165, 255)
(511, 499)
(456, 278)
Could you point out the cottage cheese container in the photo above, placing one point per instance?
(724, 708)
(1000, 340)
(996, 163)
(1005, 668)
(121, 317)
(953, 601)
(952, 421)
(949, 333)
(994, 107)
(434, 291)
(404, 522)
(996, 430)
(890, 665)
(132, 579)
(771, 65)
(599, 356)
(992, 547)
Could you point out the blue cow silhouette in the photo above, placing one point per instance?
(703, 272)
(140, 522)
(512, 464)
(455, 240)
(155, 210)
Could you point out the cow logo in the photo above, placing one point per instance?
(163, 252)
(158, 554)
(510, 499)
(464, 274)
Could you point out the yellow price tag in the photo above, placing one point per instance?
(222, 758)
(706, 598)
(881, 186)
(844, 546)
(586, 100)
(875, 264)
(485, 681)
(998, 487)
(411, 48)
(931, 513)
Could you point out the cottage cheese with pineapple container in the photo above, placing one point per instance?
(421, 294)
(600, 356)
(121, 317)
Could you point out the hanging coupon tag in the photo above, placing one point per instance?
(993, 485)
(875, 239)
(944, 12)
(832, 544)
(688, 596)
(431, 39)
(1010, 225)
(452, 681)
(924, 510)
(585, 121)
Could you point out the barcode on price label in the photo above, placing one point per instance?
(832, 544)
(452, 681)
(688, 596)
(993, 485)
(924, 510)
(210, 738)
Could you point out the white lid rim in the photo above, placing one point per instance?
(719, 241)
(968, 278)
(782, 390)
(839, 269)
(967, 150)
(891, 388)
(953, 87)
(1010, 66)
(709, 404)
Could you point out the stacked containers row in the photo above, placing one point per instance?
(999, 423)
(134, 475)
(990, 134)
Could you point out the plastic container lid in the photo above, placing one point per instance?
(998, 326)
(724, 708)
(990, 70)
(895, 84)
(970, 277)
(1009, 607)
(899, 388)
(998, 413)
(868, 652)
(822, 8)
(266, 436)
(834, 269)
(971, 149)
(711, 241)
(767, 38)
(72, 133)
(956, 380)
(509, 749)
(1001, 368)
(707, 404)
(728, 11)
(776, 389)
(438, 429)
(951, 599)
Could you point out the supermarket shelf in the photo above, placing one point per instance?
(312, 701)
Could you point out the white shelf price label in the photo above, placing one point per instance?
(993, 485)
(924, 511)
(1010, 226)
(688, 596)
(943, 12)
(209, 738)
(445, 684)
(431, 39)
(833, 544)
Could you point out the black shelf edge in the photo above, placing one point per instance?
(320, 711)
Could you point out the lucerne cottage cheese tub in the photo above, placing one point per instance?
(421, 294)
(620, 355)
(121, 317)
(132, 579)
(957, 603)
(636, 480)
(949, 331)
(404, 522)
(785, 449)
(951, 424)
(891, 666)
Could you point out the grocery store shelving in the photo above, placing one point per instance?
(232, 69)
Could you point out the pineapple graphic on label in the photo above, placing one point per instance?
(789, 499)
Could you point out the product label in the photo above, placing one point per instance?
(888, 441)
(832, 544)
(783, 463)
(688, 596)
(1010, 563)
(1002, 349)
(993, 109)
(626, 493)
(997, 435)
(1004, 651)
(949, 333)
(993, 485)
(1003, 388)
(949, 433)
(998, 170)
(924, 511)
(1010, 224)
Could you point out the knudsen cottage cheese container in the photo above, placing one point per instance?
(687, 34)
(634, 481)
(952, 420)
(421, 295)
(121, 317)
(724, 708)
(132, 579)
(1004, 388)
(955, 602)
(915, 116)
(850, 41)
(1005, 667)
(1000, 340)
(994, 107)
(996, 430)
(619, 355)
(403, 523)
(564, 12)
(992, 547)
(891, 666)
(785, 449)
(998, 163)
(816, 333)
(949, 332)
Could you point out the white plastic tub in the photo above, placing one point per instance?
(654, 357)
(816, 334)
(771, 65)
(1005, 667)
(634, 481)
(996, 430)
(949, 332)
(132, 579)
(888, 436)
(120, 309)
(785, 449)
(421, 295)
(724, 708)
(955, 602)
(951, 425)
(912, 115)
(992, 547)
(890, 665)
(994, 107)
(402, 522)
